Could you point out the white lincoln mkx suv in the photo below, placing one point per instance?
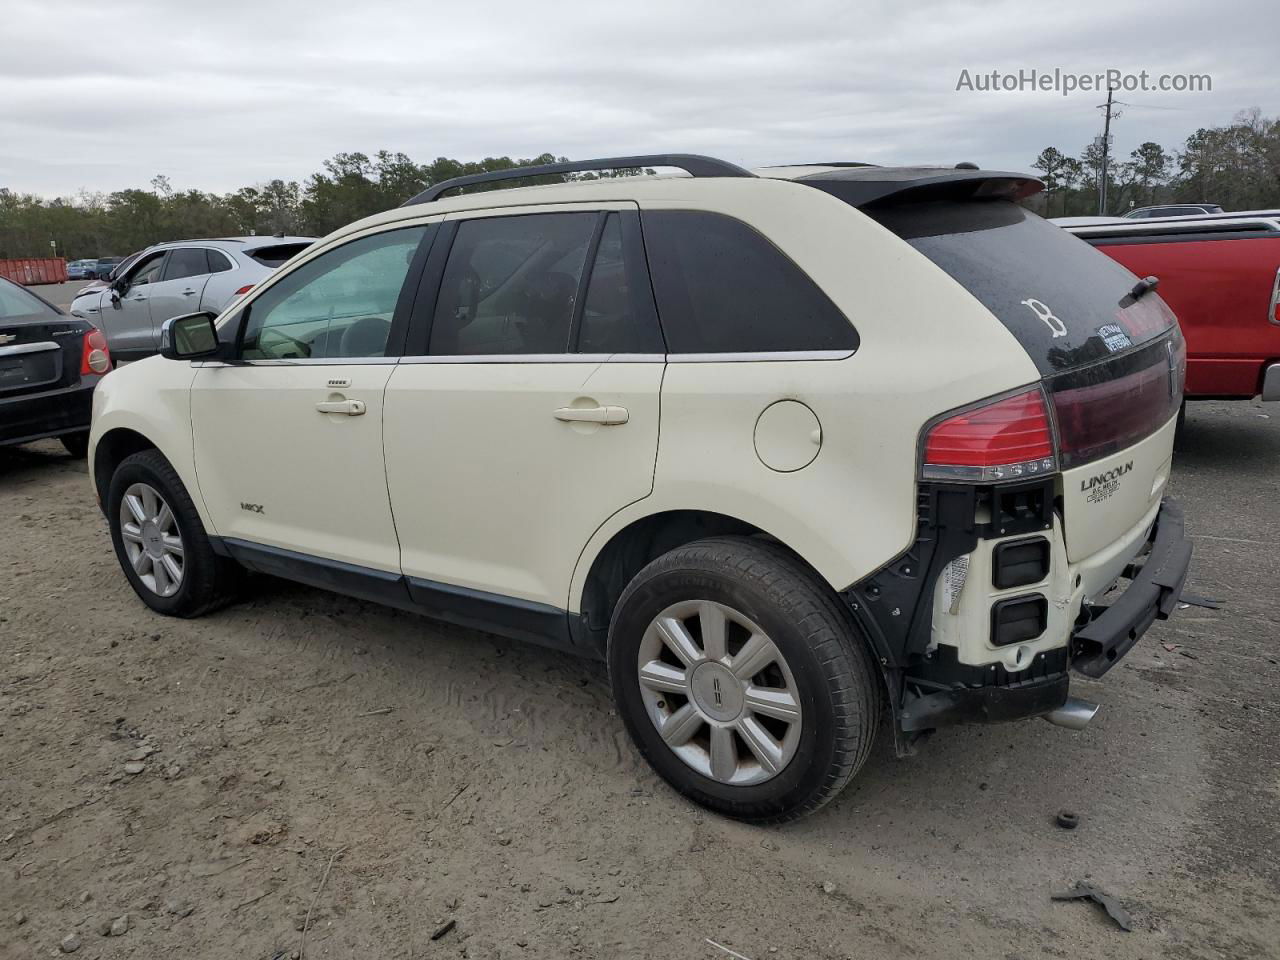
(793, 450)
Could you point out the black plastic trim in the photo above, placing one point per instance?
(1002, 578)
(693, 164)
(1152, 595)
(1000, 610)
(494, 613)
(984, 704)
(506, 616)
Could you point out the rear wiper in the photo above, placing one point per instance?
(1143, 287)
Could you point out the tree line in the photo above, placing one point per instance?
(1237, 166)
(350, 186)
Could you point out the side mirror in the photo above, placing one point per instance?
(191, 336)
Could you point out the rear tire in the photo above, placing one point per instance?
(76, 444)
(768, 723)
(160, 542)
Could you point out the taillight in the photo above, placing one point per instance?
(94, 357)
(1003, 439)
(1101, 410)
(243, 290)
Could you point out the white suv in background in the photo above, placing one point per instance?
(782, 448)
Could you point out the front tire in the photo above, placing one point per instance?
(742, 679)
(160, 542)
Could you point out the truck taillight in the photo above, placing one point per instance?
(1003, 439)
(94, 356)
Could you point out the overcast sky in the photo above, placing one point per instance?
(217, 95)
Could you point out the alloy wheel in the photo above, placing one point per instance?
(152, 540)
(719, 692)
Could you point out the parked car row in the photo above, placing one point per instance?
(169, 279)
(678, 425)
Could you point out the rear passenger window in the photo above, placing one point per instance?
(510, 284)
(722, 287)
(617, 315)
(186, 262)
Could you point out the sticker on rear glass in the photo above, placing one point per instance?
(1114, 337)
(1041, 310)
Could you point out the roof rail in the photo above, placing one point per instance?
(691, 163)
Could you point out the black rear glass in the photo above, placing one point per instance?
(277, 254)
(1065, 302)
(16, 303)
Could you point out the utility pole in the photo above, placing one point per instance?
(1106, 154)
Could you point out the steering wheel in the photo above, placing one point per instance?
(304, 349)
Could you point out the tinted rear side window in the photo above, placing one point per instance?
(510, 284)
(218, 262)
(722, 287)
(1066, 303)
(186, 262)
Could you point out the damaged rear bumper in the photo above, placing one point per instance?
(1156, 583)
(932, 689)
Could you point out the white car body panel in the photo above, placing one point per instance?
(260, 441)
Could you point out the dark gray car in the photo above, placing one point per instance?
(171, 279)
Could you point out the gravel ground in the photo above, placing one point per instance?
(202, 787)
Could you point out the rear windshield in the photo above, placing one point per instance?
(16, 302)
(1066, 303)
(277, 254)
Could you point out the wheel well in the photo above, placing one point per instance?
(633, 547)
(113, 447)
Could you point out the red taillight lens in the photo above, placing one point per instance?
(1098, 417)
(1000, 440)
(243, 290)
(94, 357)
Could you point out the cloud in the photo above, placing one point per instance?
(221, 95)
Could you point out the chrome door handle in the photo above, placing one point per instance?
(351, 408)
(609, 416)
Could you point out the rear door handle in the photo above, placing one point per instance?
(188, 293)
(351, 408)
(609, 416)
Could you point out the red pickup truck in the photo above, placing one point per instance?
(1221, 275)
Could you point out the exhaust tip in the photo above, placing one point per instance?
(1075, 714)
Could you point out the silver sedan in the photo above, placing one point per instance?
(171, 279)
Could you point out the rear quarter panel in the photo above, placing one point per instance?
(927, 346)
(151, 397)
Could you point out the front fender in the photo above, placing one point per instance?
(152, 399)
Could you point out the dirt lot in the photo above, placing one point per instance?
(302, 752)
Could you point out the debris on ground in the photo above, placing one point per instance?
(444, 928)
(70, 943)
(1067, 820)
(732, 953)
(1196, 601)
(1087, 891)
